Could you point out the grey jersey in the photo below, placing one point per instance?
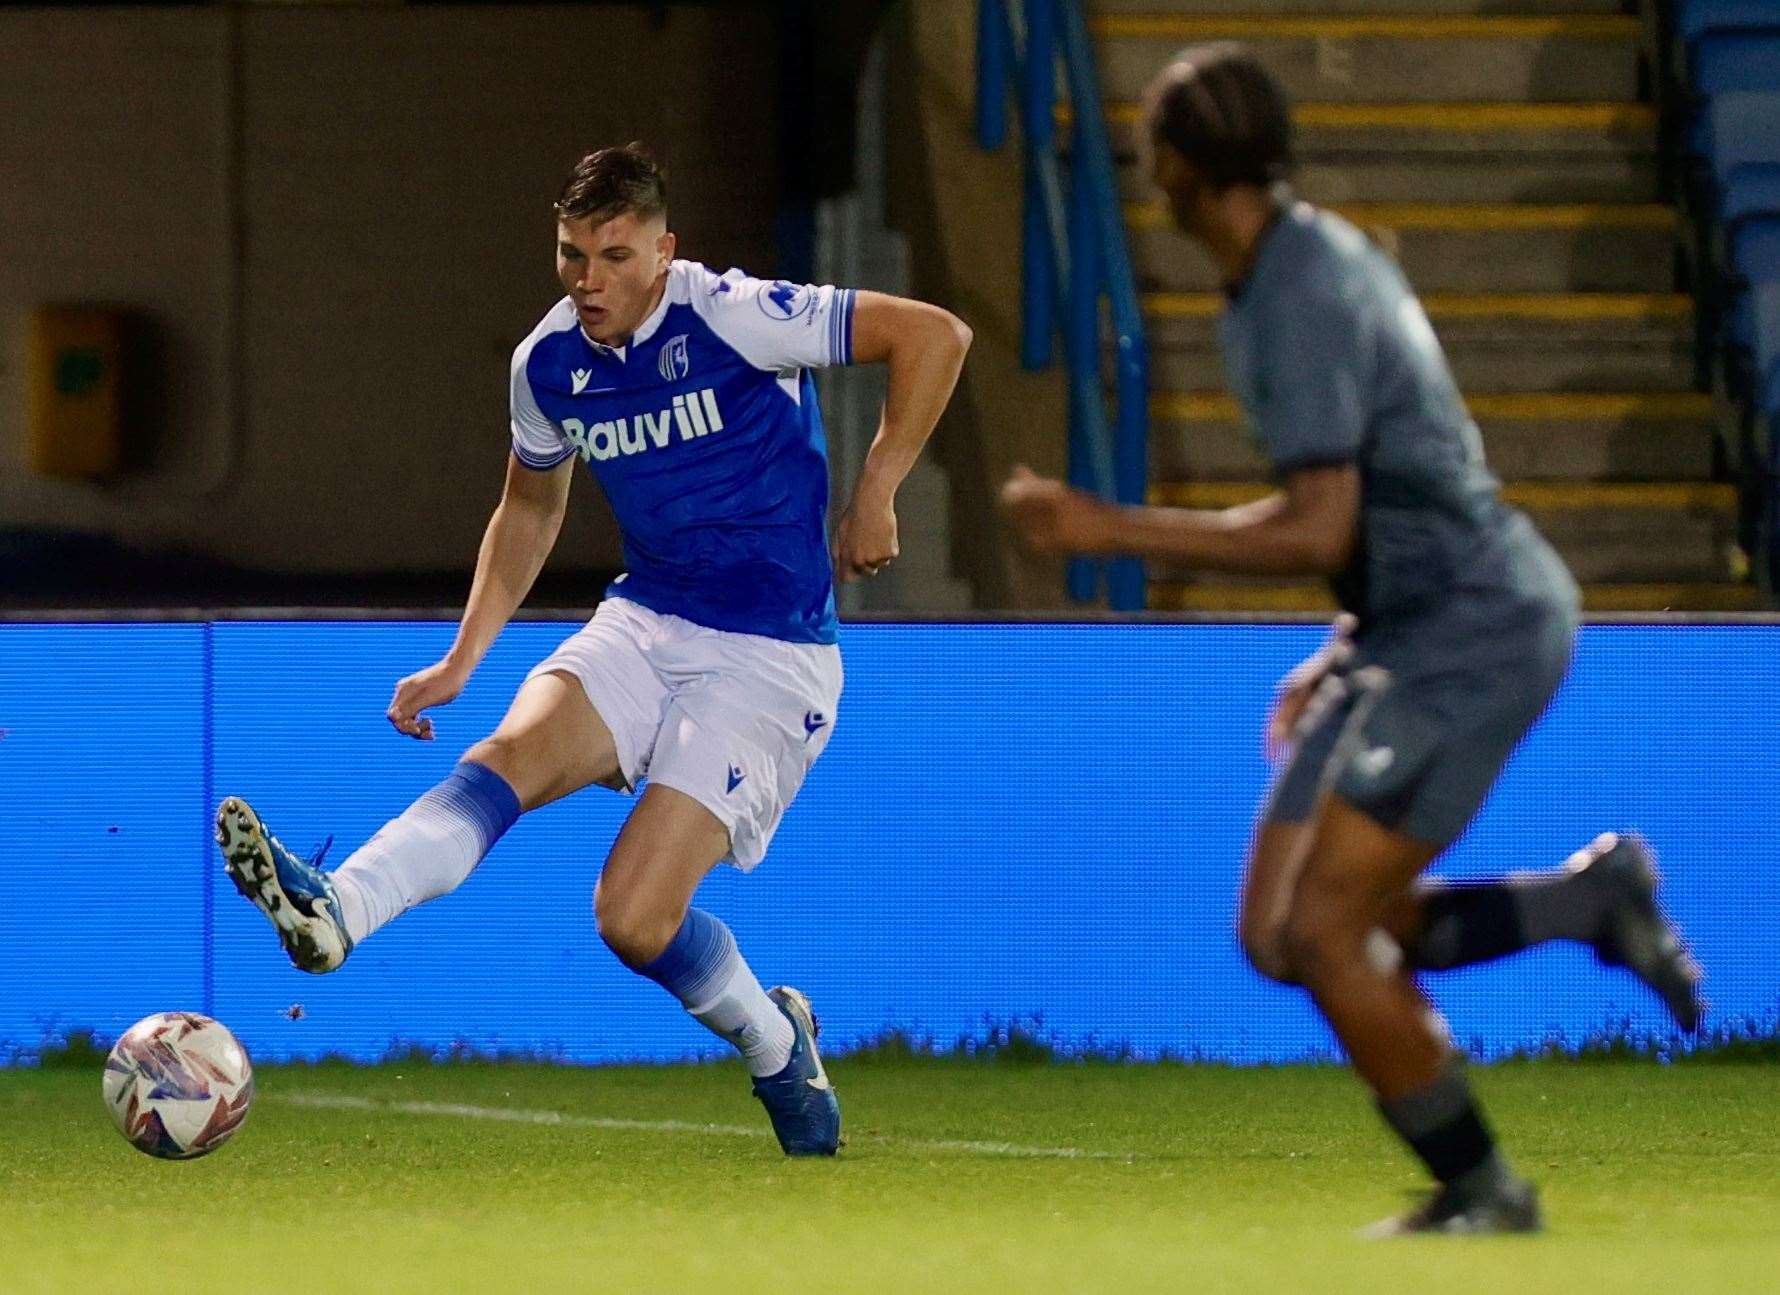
(1333, 360)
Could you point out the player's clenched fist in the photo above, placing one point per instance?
(865, 539)
(1292, 703)
(436, 685)
(1050, 517)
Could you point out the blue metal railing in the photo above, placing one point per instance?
(1073, 243)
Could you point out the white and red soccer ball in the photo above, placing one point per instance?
(178, 1085)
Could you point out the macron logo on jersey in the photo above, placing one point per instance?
(692, 415)
(579, 378)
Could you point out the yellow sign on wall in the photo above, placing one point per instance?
(73, 355)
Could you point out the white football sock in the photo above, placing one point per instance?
(425, 853)
(737, 1008)
(428, 851)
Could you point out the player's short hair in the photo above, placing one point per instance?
(609, 182)
(1225, 113)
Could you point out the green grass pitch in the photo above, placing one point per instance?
(959, 1175)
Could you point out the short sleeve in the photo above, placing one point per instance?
(776, 324)
(1313, 381)
(537, 442)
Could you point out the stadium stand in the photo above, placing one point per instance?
(1721, 88)
(1508, 155)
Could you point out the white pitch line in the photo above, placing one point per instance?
(513, 1115)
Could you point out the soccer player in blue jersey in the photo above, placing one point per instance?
(711, 669)
(1458, 628)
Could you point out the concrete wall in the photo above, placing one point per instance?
(336, 222)
(115, 187)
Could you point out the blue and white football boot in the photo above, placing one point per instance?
(294, 893)
(799, 1100)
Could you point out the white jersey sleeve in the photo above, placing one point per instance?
(537, 442)
(775, 324)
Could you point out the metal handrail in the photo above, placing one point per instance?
(1074, 253)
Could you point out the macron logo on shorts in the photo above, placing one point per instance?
(1373, 763)
(814, 721)
(735, 776)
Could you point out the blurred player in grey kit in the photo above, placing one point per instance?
(1457, 629)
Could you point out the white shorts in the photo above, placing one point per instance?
(733, 720)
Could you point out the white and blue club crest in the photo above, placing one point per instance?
(673, 362)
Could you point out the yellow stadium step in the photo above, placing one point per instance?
(1559, 307)
(1330, 8)
(1494, 217)
(1537, 496)
(1449, 118)
(1449, 152)
(1201, 27)
(1576, 436)
(1609, 532)
(1497, 343)
(1524, 249)
(1251, 599)
(1394, 58)
(1540, 406)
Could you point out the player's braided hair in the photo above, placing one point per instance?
(1221, 109)
(612, 181)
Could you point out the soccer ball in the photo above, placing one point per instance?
(178, 1085)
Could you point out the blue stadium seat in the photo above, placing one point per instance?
(1745, 154)
(1765, 319)
(1745, 128)
(1765, 426)
(1755, 249)
(1754, 265)
(1726, 58)
(1737, 63)
(1750, 191)
(1724, 62)
(1697, 17)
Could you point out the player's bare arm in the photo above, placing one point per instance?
(924, 348)
(519, 538)
(1308, 527)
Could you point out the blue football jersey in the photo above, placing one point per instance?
(705, 434)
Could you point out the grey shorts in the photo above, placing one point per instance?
(1417, 744)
